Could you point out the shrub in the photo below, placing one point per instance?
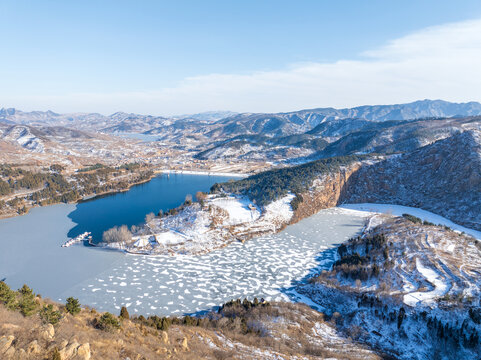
(56, 354)
(7, 296)
(296, 201)
(149, 217)
(412, 218)
(49, 315)
(107, 322)
(72, 306)
(124, 314)
(26, 303)
(201, 197)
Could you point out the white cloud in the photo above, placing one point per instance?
(441, 62)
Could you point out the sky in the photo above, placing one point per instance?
(178, 57)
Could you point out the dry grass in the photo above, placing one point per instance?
(287, 331)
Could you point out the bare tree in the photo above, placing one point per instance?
(149, 217)
(201, 197)
(117, 234)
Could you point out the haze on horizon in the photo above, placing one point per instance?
(167, 58)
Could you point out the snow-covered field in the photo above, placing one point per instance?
(238, 209)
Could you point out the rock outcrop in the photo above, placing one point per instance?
(324, 192)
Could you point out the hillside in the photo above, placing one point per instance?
(397, 137)
(238, 330)
(444, 177)
(408, 288)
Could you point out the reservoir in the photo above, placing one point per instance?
(129, 208)
(267, 266)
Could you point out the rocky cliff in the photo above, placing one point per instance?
(324, 193)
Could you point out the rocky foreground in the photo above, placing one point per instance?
(240, 330)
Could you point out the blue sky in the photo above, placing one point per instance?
(167, 57)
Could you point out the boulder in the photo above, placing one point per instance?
(9, 326)
(165, 337)
(21, 355)
(48, 332)
(70, 350)
(10, 353)
(33, 348)
(5, 343)
(184, 344)
(83, 352)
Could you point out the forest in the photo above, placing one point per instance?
(49, 185)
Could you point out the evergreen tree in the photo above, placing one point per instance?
(72, 306)
(124, 314)
(26, 303)
(49, 315)
(7, 296)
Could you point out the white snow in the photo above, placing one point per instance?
(238, 209)
(169, 238)
(280, 210)
(398, 210)
(439, 283)
(191, 231)
(142, 242)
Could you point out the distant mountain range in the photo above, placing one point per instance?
(282, 124)
(227, 124)
(321, 132)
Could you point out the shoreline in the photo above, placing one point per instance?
(202, 172)
(82, 199)
(117, 191)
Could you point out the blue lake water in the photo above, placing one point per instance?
(161, 193)
(266, 267)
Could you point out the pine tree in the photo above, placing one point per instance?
(7, 296)
(124, 314)
(26, 303)
(72, 306)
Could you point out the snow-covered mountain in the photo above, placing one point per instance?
(295, 122)
(224, 124)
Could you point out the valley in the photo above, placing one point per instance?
(368, 216)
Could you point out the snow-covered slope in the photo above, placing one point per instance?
(197, 229)
(409, 289)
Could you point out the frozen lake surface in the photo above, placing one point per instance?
(264, 267)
